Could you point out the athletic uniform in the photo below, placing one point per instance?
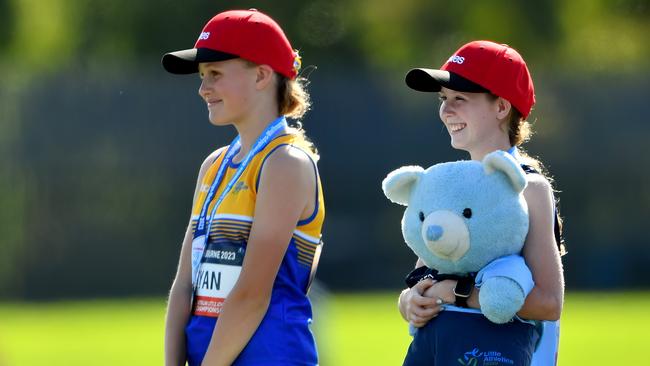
(463, 336)
(469, 338)
(283, 336)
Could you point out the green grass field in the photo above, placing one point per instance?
(597, 329)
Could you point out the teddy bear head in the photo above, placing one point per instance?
(462, 215)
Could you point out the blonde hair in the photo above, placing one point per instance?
(292, 96)
(519, 132)
(294, 102)
(293, 99)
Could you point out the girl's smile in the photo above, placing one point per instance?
(472, 121)
(456, 127)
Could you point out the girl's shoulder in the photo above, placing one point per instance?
(288, 158)
(209, 161)
(538, 183)
(300, 140)
(539, 197)
(288, 162)
(212, 157)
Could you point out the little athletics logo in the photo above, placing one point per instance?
(487, 358)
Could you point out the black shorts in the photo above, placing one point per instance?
(458, 338)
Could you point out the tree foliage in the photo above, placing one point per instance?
(584, 36)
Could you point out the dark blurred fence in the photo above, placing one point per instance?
(98, 177)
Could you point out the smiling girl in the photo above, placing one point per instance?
(253, 241)
(486, 93)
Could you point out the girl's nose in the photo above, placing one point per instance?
(203, 89)
(445, 111)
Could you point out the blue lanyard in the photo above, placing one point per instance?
(205, 222)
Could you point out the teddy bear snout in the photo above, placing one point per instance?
(446, 235)
(434, 232)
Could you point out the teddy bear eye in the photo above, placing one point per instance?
(421, 216)
(467, 213)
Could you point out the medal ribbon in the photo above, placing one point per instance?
(202, 232)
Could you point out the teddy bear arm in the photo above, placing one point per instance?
(501, 298)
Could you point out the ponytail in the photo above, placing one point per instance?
(519, 132)
(293, 99)
(294, 102)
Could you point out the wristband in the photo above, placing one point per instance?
(463, 290)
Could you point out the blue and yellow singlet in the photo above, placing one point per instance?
(283, 336)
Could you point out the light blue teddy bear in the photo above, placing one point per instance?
(466, 217)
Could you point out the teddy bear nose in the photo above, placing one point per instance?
(434, 232)
(445, 234)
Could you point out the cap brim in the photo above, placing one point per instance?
(187, 61)
(431, 80)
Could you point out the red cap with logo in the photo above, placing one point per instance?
(248, 34)
(481, 66)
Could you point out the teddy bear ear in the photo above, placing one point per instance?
(503, 162)
(398, 184)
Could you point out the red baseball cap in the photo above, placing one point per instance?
(247, 34)
(481, 66)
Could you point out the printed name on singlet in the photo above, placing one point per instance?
(218, 273)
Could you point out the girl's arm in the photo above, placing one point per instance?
(541, 253)
(178, 306)
(414, 306)
(422, 302)
(286, 192)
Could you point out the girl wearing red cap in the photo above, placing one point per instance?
(486, 93)
(252, 245)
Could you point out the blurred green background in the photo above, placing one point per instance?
(351, 329)
(99, 150)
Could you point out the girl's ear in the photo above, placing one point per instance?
(503, 108)
(265, 75)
